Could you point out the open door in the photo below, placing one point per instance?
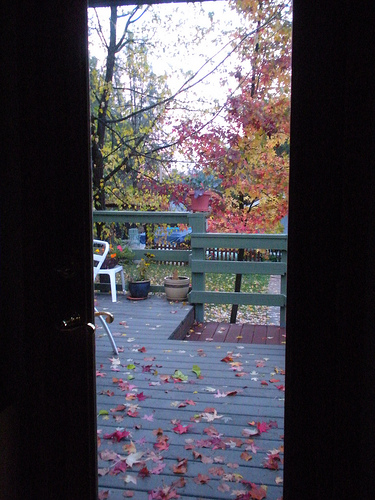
(47, 378)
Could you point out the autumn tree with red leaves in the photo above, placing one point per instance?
(249, 149)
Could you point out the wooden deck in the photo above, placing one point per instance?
(240, 334)
(201, 420)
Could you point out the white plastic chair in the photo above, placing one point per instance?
(99, 258)
(109, 272)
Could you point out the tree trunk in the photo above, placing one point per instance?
(98, 135)
(237, 287)
(237, 284)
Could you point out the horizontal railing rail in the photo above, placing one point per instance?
(199, 296)
(201, 260)
(196, 221)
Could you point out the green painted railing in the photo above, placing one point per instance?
(200, 266)
(200, 242)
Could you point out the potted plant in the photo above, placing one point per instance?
(202, 186)
(139, 283)
(117, 254)
(176, 287)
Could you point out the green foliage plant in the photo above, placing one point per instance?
(201, 182)
(141, 271)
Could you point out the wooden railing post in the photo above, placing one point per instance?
(197, 222)
(283, 290)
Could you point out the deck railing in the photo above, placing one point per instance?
(200, 263)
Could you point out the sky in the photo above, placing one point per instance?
(174, 48)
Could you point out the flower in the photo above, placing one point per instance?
(200, 182)
(116, 253)
(141, 271)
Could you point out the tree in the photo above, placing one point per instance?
(128, 104)
(248, 150)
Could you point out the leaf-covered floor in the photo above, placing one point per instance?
(184, 419)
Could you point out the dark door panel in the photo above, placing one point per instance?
(47, 377)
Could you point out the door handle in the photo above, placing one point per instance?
(108, 316)
(74, 322)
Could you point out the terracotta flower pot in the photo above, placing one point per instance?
(201, 203)
(176, 289)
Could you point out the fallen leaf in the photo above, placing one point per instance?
(129, 448)
(272, 460)
(179, 483)
(130, 479)
(141, 396)
(117, 435)
(216, 471)
(144, 472)
(178, 375)
(181, 467)
(103, 471)
(150, 418)
(196, 370)
(246, 456)
(231, 393)
(118, 408)
(108, 455)
(132, 413)
(220, 394)
(201, 479)
(158, 469)
(227, 359)
(164, 493)
(134, 458)
(210, 417)
(223, 487)
(119, 468)
(180, 429)
(257, 493)
(107, 393)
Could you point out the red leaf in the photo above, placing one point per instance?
(117, 435)
(144, 472)
(158, 469)
(132, 413)
(272, 461)
(165, 493)
(141, 396)
(119, 468)
(180, 429)
(231, 393)
(118, 408)
(227, 359)
(201, 479)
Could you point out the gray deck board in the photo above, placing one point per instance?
(147, 360)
